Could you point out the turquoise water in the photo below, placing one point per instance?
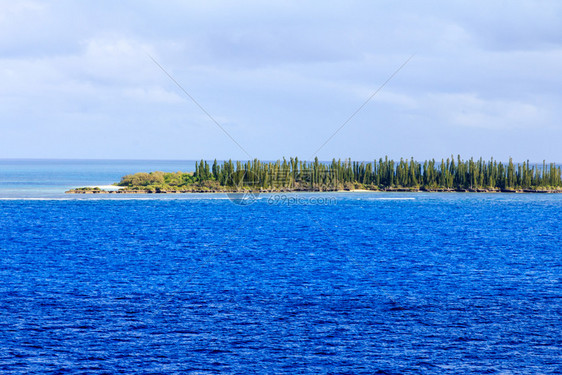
(355, 283)
(51, 178)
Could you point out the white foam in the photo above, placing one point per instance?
(390, 199)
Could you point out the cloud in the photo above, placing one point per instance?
(280, 76)
(473, 111)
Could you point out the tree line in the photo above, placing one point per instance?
(450, 174)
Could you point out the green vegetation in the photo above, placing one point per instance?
(385, 174)
(155, 179)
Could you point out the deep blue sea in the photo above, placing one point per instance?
(332, 283)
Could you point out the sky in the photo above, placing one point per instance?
(278, 79)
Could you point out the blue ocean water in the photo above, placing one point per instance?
(51, 178)
(346, 283)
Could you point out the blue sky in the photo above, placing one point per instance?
(281, 77)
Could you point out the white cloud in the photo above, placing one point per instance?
(152, 95)
(281, 76)
(471, 110)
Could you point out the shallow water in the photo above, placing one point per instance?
(51, 178)
(392, 283)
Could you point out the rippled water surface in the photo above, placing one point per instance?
(366, 283)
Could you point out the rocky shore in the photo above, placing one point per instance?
(408, 190)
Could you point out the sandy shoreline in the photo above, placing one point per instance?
(105, 187)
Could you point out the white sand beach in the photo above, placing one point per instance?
(106, 187)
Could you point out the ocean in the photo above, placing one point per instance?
(25, 178)
(319, 283)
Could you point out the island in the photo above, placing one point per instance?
(294, 175)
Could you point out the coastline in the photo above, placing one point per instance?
(105, 187)
(294, 176)
(111, 189)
